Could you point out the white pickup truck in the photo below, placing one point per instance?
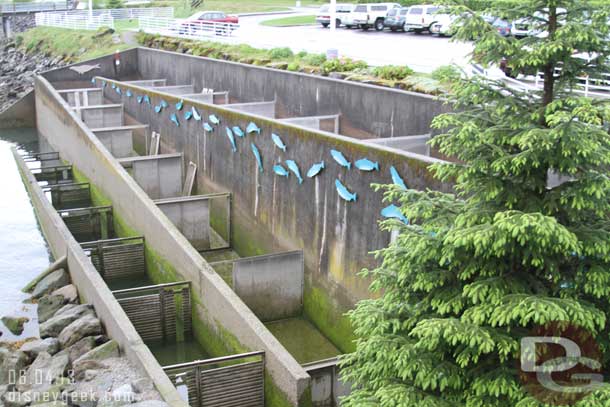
(370, 15)
(421, 18)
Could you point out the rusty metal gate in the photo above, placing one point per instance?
(158, 312)
(228, 381)
(69, 196)
(53, 175)
(88, 224)
(117, 259)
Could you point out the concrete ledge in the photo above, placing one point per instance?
(94, 290)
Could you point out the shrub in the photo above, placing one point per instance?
(293, 67)
(115, 4)
(280, 53)
(393, 72)
(446, 73)
(342, 65)
(314, 59)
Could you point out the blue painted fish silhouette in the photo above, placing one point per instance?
(392, 211)
(253, 128)
(315, 169)
(104, 84)
(281, 171)
(179, 105)
(278, 142)
(231, 139)
(128, 93)
(113, 86)
(207, 127)
(158, 109)
(174, 119)
(196, 114)
(340, 159)
(164, 104)
(344, 192)
(257, 155)
(139, 99)
(238, 131)
(187, 115)
(364, 164)
(146, 99)
(118, 90)
(214, 119)
(396, 178)
(292, 166)
(93, 81)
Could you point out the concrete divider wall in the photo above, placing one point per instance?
(93, 289)
(366, 111)
(273, 214)
(222, 313)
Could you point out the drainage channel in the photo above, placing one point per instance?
(161, 313)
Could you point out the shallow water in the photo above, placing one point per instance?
(23, 250)
(170, 353)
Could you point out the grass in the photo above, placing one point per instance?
(122, 25)
(72, 45)
(290, 21)
(183, 9)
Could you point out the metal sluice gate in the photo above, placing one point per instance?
(117, 259)
(69, 195)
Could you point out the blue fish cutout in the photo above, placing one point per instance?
(139, 98)
(187, 115)
(238, 132)
(196, 114)
(340, 159)
(278, 142)
(281, 171)
(257, 155)
(113, 86)
(207, 127)
(104, 84)
(214, 119)
(253, 128)
(364, 164)
(146, 99)
(164, 104)
(344, 192)
(315, 169)
(174, 119)
(292, 166)
(128, 93)
(392, 211)
(179, 105)
(118, 90)
(231, 139)
(396, 178)
(158, 109)
(93, 81)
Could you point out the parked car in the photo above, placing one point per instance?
(370, 15)
(395, 19)
(502, 26)
(208, 21)
(421, 18)
(341, 10)
(212, 17)
(443, 26)
(526, 27)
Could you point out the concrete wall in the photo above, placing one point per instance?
(366, 111)
(93, 289)
(21, 114)
(117, 140)
(271, 285)
(160, 176)
(273, 214)
(98, 116)
(83, 97)
(413, 144)
(191, 215)
(220, 310)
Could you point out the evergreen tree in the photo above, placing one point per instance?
(475, 271)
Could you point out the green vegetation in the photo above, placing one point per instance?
(392, 72)
(290, 21)
(115, 4)
(183, 8)
(70, 45)
(509, 254)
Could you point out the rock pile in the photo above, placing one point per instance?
(73, 363)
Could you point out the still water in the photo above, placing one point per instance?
(23, 250)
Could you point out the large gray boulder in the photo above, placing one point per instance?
(62, 318)
(11, 364)
(68, 292)
(109, 349)
(14, 399)
(14, 324)
(48, 305)
(44, 371)
(52, 282)
(81, 347)
(33, 348)
(86, 325)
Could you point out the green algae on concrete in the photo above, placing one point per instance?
(169, 353)
(302, 340)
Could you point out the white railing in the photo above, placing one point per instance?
(599, 87)
(34, 7)
(74, 21)
(195, 30)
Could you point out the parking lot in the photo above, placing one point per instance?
(422, 52)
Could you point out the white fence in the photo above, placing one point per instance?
(9, 8)
(195, 30)
(74, 21)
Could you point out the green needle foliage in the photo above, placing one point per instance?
(525, 239)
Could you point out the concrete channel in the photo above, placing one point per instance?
(163, 171)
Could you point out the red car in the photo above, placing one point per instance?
(213, 17)
(209, 21)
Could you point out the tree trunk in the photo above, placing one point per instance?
(549, 69)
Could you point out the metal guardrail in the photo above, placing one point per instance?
(172, 27)
(32, 7)
(74, 20)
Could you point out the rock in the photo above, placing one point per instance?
(14, 324)
(52, 282)
(62, 318)
(142, 385)
(90, 374)
(124, 393)
(84, 326)
(88, 394)
(80, 367)
(69, 292)
(81, 347)
(33, 348)
(12, 363)
(337, 75)
(57, 403)
(14, 399)
(108, 350)
(48, 306)
(44, 370)
(150, 403)
(48, 394)
(3, 389)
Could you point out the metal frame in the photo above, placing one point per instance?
(75, 218)
(125, 261)
(69, 195)
(53, 175)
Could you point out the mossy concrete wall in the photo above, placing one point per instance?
(224, 320)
